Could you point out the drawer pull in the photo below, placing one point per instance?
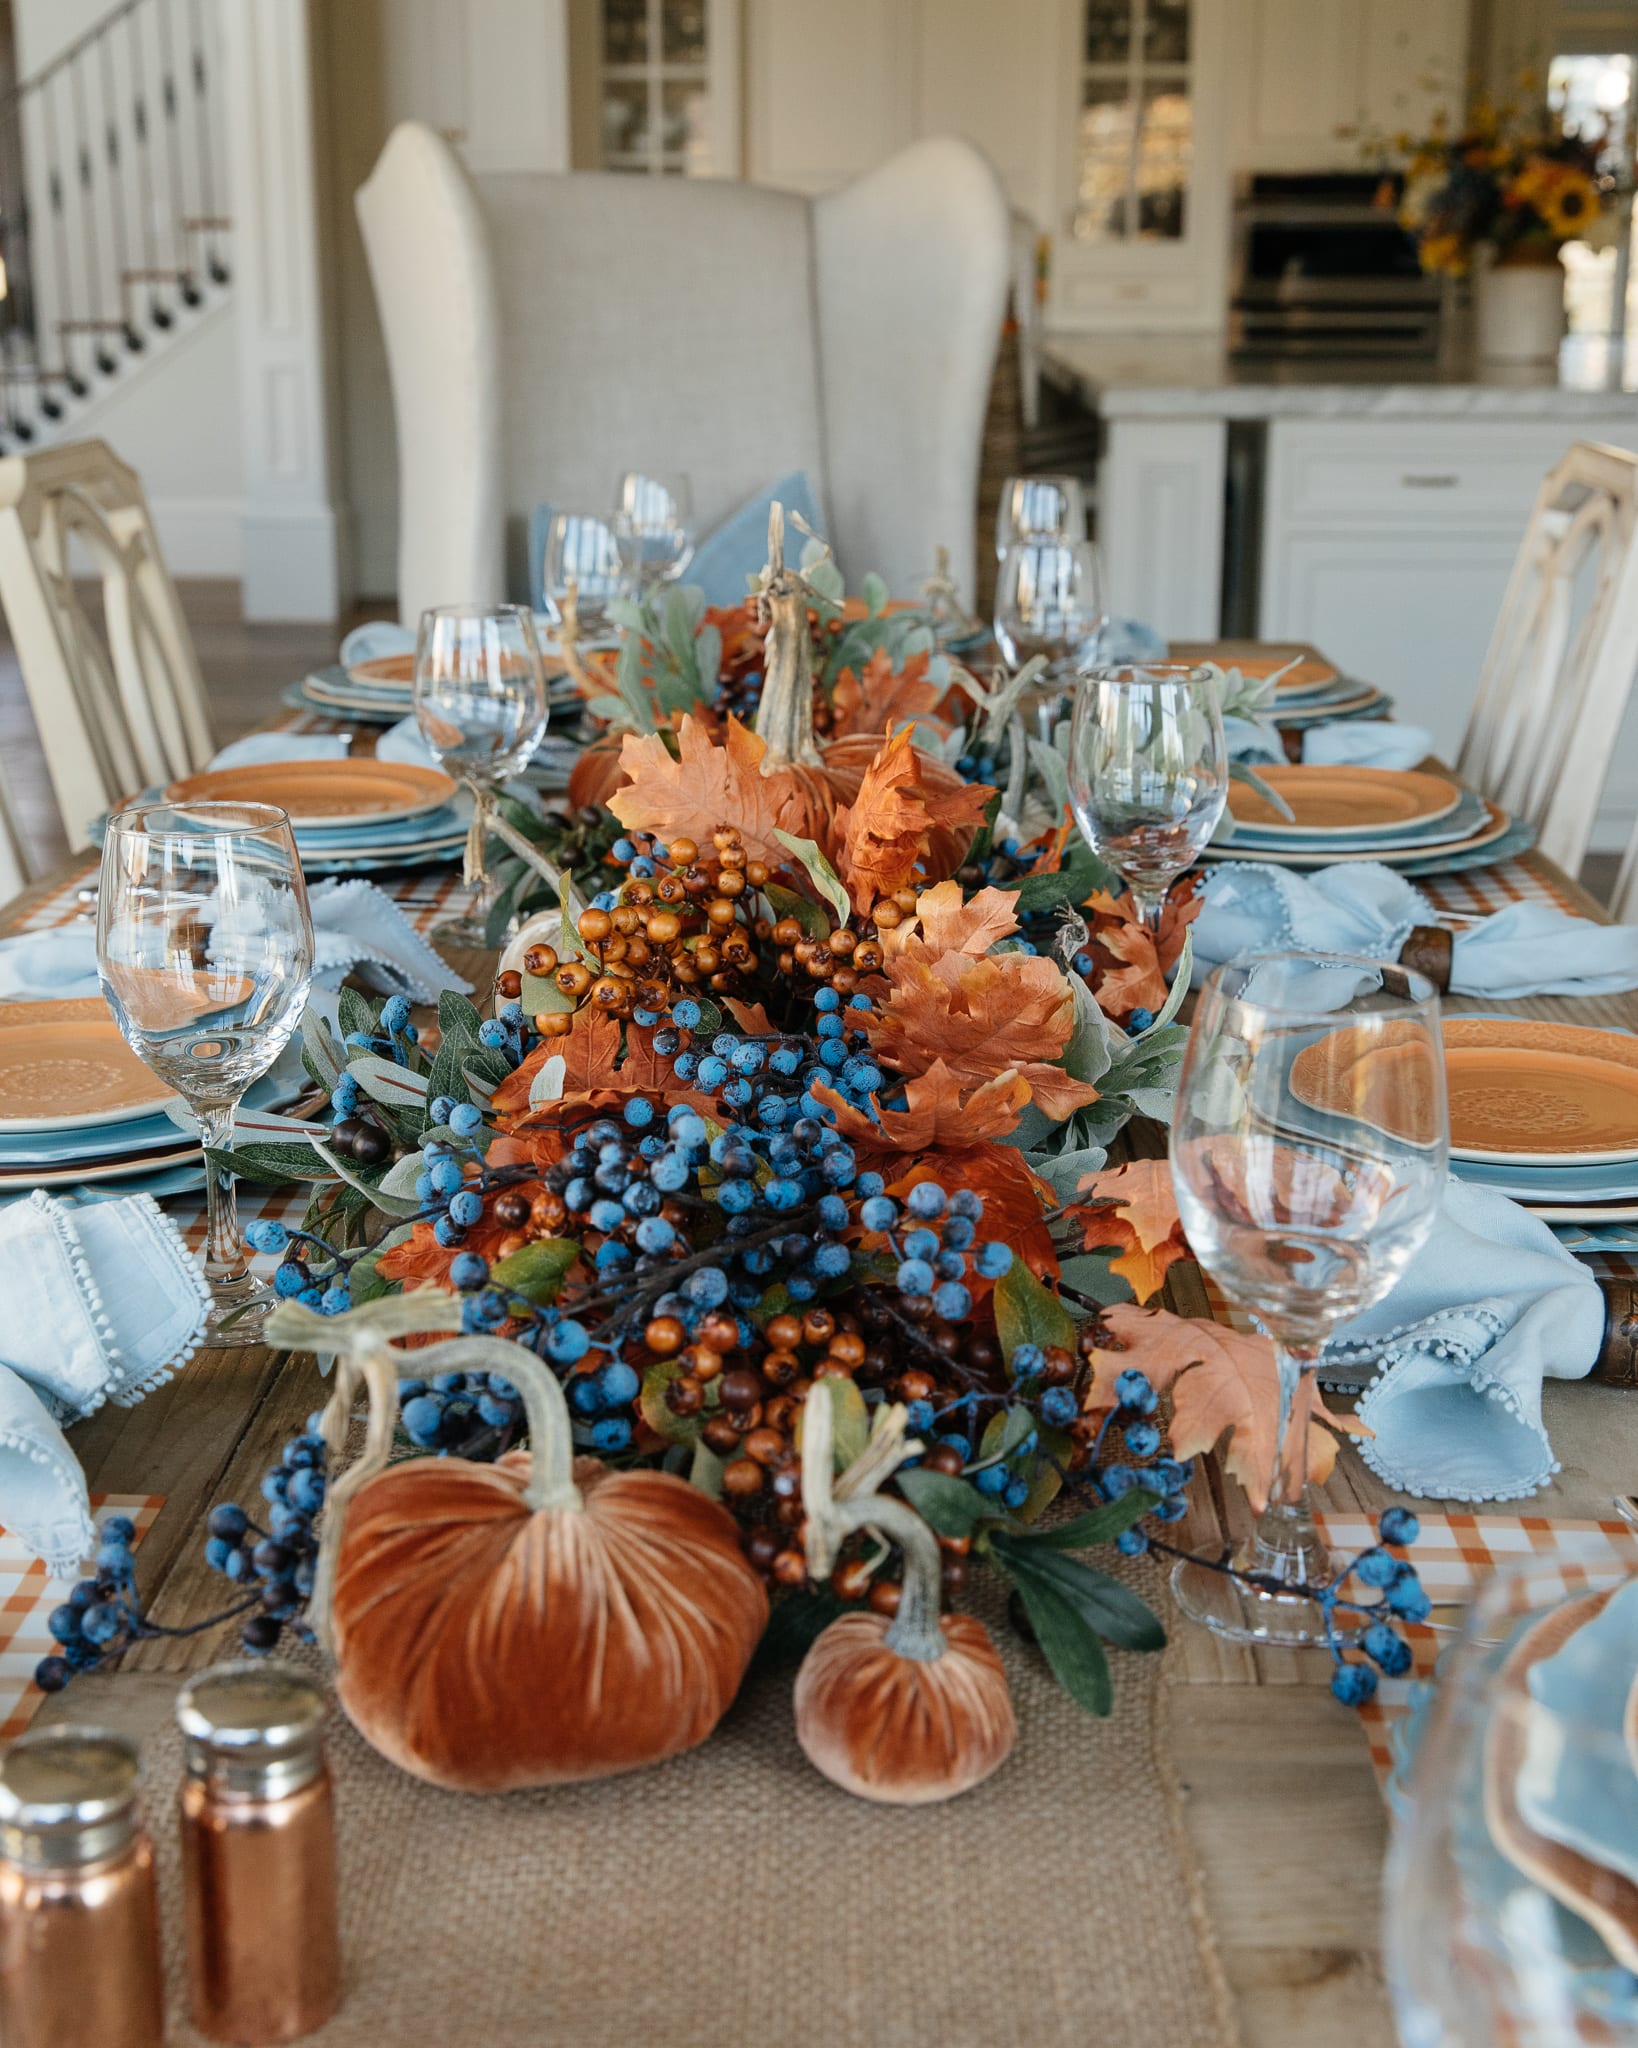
(1444, 481)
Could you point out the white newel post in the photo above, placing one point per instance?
(292, 568)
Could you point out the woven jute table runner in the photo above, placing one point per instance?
(732, 1898)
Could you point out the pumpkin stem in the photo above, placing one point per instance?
(916, 1631)
(784, 714)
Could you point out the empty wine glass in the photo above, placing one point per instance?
(1049, 601)
(583, 551)
(654, 524)
(1039, 508)
(1514, 1802)
(1308, 1150)
(1148, 771)
(205, 950)
(480, 703)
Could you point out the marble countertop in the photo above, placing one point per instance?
(1191, 376)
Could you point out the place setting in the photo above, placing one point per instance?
(351, 816)
(1307, 815)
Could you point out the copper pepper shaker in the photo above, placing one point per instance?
(79, 1909)
(258, 1854)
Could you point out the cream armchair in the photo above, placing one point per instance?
(546, 332)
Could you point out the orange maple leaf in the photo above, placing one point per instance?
(881, 696)
(880, 838)
(979, 1017)
(751, 1018)
(949, 923)
(1145, 1224)
(595, 1064)
(712, 784)
(1139, 984)
(935, 1114)
(1223, 1382)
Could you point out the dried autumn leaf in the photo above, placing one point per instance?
(711, 785)
(1138, 983)
(1223, 1382)
(1015, 1201)
(936, 1115)
(751, 1018)
(880, 696)
(882, 836)
(948, 923)
(1145, 1223)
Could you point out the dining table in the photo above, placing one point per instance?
(1279, 1798)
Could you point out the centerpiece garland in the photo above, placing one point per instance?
(789, 1128)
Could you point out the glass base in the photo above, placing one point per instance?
(238, 1310)
(1255, 1614)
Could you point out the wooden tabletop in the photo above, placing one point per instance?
(1281, 1800)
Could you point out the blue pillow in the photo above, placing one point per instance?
(736, 550)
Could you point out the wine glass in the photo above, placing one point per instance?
(1492, 1929)
(1039, 508)
(1049, 601)
(1308, 1148)
(583, 553)
(653, 522)
(205, 950)
(480, 703)
(1148, 772)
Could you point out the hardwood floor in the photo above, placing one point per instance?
(245, 667)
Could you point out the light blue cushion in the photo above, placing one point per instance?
(737, 549)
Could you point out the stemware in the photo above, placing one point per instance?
(1495, 1929)
(205, 952)
(480, 703)
(1308, 1151)
(583, 553)
(1049, 601)
(653, 522)
(1148, 771)
(1039, 508)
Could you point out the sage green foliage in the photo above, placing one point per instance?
(670, 659)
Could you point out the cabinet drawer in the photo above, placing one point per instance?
(1411, 470)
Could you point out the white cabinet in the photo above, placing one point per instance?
(1160, 523)
(1311, 79)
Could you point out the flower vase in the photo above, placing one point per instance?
(1520, 309)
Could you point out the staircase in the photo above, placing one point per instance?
(114, 230)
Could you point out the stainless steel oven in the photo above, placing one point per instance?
(1320, 269)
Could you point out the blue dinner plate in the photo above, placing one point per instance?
(1576, 1793)
(108, 1141)
(1460, 823)
(1553, 1183)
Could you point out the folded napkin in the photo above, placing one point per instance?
(1129, 640)
(258, 749)
(1491, 1306)
(100, 1304)
(1362, 907)
(380, 637)
(1351, 742)
(357, 929)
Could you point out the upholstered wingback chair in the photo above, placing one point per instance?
(546, 332)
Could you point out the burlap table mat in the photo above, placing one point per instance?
(733, 1896)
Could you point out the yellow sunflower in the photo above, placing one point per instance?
(1569, 205)
(1443, 253)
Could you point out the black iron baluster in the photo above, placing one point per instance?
(187, 283)
(101, 355)
(65, 276)
(142, 128)
(117, 190)
(216, 268)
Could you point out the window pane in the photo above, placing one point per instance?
(625, 118)
(1166, 32)
(685, 126)
(1165, 152)
(1108, 31)
(1107, 116)
(625, 31)
(684, 31)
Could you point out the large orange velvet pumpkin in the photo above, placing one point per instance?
(483, 1645)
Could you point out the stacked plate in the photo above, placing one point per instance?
(351, 816)
(1409, 818)
(380, 691)
(1311, 691)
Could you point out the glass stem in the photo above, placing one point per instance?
(225, 1257)
(1150, 899)
(1285, 1544)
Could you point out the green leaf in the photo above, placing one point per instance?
(656, 1411)
(786, 903)
(536, 1271)
(874, 592)
(385, 1081)
(357, 1013)
(323, 1058)
(1049, 1474)
(949, 1506)
(824, 876)
(1027, 1313)
(1103, 1603)
(389, 1205)
(1070, 1647)
(1098, 1525)
(457, 1018)
(401, 1176)
(273, 1166)
(796, 1624)
(706, 1470)
(1003, 1434)
(510, 888)
(542, 995)
(1081, 874)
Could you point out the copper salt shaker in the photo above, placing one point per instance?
(79, 1909)
(258, 1854)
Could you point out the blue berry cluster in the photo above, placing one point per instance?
(102, 1616)
(274, 1564)
(766, 1082)
(1403, 1599)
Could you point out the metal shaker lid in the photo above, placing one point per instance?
(67, 1794)
(256, 1712)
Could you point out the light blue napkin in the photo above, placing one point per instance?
(1491, 1306)
(380, 637)
(101, 1304)
(357, 929)
(258, 749)
(1130, 640)
(1362, 907)
(1350, 742)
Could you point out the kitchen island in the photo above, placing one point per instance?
(1371, 507)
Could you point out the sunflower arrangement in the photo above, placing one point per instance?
(1520, 184)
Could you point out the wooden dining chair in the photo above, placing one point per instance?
(116, 714)
(1564, 654)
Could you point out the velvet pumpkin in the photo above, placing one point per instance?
(906, 1711)
(531, 1622)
